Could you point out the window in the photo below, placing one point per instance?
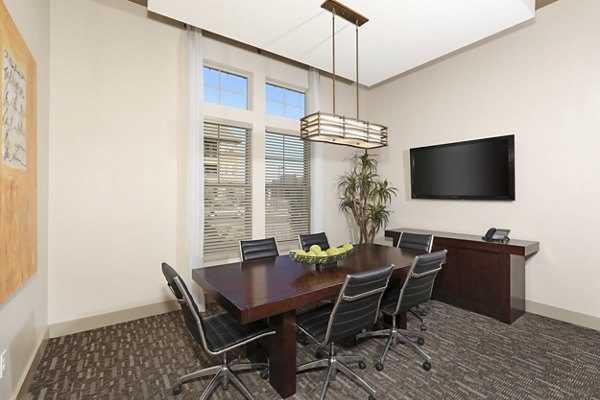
(284, 102)
(224, 88)
(287, 188)
(227, 190)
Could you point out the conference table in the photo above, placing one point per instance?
(276, 287)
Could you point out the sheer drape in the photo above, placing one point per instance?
(195, 158)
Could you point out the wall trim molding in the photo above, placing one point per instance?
(32, 364)
(116, 317)
(561, 314)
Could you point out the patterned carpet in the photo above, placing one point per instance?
(473, 357)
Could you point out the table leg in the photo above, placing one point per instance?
(282, 353)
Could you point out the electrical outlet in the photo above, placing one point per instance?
(3, 363)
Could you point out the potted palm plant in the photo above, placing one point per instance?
(365, 196)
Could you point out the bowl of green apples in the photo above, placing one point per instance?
(322, 258)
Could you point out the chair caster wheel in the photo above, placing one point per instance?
(371, 397)
(423, 328)
(379, 366)
(362, 365)
(355, 341)
(426, 365)
(177, 389)
(319, 354)
(420, 341)
(264, 373)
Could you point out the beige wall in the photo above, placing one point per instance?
(116, 125)
(24, 316)
(541, 82)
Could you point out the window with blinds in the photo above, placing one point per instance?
(287, 188)
(227, 190)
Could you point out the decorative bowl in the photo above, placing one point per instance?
(320, 261)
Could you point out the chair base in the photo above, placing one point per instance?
(222, 374)
(335, 363)
(394, 335)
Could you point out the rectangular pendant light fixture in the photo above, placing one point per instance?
(339, 129)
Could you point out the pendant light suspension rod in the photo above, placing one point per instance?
(356, 24)
(333, 40)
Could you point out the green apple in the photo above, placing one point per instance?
(311, 254)
(300, 253)
(315, 248)
(348, 246)
(332, 251)
(322, 254)
(341, 250)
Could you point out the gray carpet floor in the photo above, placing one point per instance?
(473, 357)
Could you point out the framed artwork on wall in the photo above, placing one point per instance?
(18, 159)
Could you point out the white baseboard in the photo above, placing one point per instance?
(32, 364)
(572, 317)
(117, 317)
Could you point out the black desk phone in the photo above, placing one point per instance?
(496, 235)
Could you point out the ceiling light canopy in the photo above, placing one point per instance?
(339, 129)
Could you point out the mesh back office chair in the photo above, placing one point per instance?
(310, 239)
(355, 309)
(419, 242)
(416, 290)
(217, 335)
(259, 248)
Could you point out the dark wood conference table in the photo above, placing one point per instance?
(275, 287)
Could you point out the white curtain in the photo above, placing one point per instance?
(316, 176)
(195, 159)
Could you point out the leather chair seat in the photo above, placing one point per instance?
(224, 331)
(315, 321)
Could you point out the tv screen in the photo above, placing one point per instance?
(482, 169)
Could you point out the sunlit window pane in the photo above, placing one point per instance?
(211, 95)
(225, 88)
(293, 98)
(285, 102)
(233, 100)
(211, 77)
(294, 112)
(275, 108)
(275, 93)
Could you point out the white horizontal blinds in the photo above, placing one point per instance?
(227, 190)
(287, 188)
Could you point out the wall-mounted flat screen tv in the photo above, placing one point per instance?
(482, 169)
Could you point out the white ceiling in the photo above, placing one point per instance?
(400, 34)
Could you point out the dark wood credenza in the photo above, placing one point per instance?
(484, 277)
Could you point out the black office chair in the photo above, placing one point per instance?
(310, 239)
(355, 309)
(217, 335)
(419, 242)
(415, 241)
(259, 248)
(416, 290)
